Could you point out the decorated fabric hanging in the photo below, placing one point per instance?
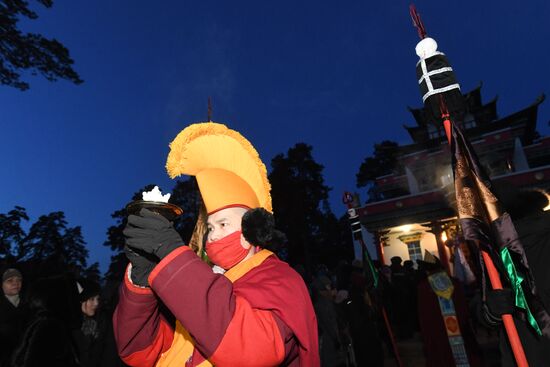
(443, 288)
(483, 220)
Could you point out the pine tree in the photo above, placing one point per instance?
(382, 162)
(12, 234)
(30, 51)
(300, 206)
(186, 195)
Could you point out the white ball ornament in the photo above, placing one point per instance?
(426, 48)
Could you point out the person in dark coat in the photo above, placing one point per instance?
(401, 294)
(363, 317)
(94, 340)
(12, 313)
(54, 312)
(330, 342)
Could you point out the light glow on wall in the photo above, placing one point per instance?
(405, 228)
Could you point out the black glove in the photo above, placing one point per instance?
(151, 233)
(498, 302)
(142, 266)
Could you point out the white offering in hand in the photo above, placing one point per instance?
(155, 195)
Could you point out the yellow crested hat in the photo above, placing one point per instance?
(228, 169)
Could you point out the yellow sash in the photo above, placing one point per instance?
(183, 345)
(180, 350)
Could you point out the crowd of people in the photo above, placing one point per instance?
(54, 321)
(448, 311)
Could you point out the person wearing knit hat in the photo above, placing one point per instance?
(11, 312)
(12, 281)
(10, 273)
(88, 294)
(257, 313)
(94, 339)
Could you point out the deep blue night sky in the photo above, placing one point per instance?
(336, 75)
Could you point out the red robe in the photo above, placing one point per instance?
(258, 314)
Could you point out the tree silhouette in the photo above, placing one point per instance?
(50, 246)
(74, 247)
(92, 273)
(30, 51)
(383, 162)
(50, 238)
(12, 234)
(187, 196)
(300, 206)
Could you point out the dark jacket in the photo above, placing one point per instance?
(12, 322)
(54, 311)
(95, 342)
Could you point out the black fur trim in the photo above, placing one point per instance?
(258, 227)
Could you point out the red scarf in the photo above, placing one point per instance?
(226, 252)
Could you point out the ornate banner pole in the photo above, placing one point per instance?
(439, 87)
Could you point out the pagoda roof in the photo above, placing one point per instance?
(526, 117)
(485, 117)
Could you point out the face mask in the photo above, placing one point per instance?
(226, 252)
